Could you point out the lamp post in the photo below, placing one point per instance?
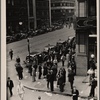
(50, 13)
(28, 47)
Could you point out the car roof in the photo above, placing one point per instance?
(32, 54)
(49, 45)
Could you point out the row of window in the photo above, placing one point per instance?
(63, 10)
(62, 4)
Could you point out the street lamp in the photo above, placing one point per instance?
(28, 47)
(20, 23)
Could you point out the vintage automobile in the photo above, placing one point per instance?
(30, 58)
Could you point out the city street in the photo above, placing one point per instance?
(38, 43)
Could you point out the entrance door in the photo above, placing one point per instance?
(92, 48)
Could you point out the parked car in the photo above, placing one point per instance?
(30, 58)
(49, 47)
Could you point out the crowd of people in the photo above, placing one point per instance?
(47, 66)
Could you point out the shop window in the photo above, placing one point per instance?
(92, 8)
(82, 43)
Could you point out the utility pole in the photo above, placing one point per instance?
(34, 14)
(50, 13)
(28, 47)
(28, 14)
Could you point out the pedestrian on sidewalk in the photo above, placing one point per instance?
(18, 59)
(91, 74)
(51, 80)
(40, 71)
(45, 70)
(75, 93)
(33, 74)
(16, 66)
(20, 72)
(93, 86)
(61, 82)
(48, 78)
(71, 79)
(11, 54)
(20, 90)
(10, 85)
(63, 58)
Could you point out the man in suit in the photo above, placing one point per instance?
(11, 53)
(10, 85)
(71, 79)
(51, 80)
(93, 86)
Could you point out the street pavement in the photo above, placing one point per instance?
(38, 88)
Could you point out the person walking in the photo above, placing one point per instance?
(48, 78)
(33, 74)
(63, 59)
(20, 90)
(61, 82)
(51, 80)
(91, 74)
(16, 66)
(18, 59)
(40, 71)
(93, 86)
(20, 72)
(75, 93)
(11, 54)
(71, 79)
(10, 85)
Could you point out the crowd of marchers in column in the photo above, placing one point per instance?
(47, 66)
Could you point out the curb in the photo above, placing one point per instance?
(64, 94)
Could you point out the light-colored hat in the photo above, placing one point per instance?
(92, 56)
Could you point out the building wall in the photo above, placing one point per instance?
(84, 27)
(62, 9)
(42, 12)
(15, 13)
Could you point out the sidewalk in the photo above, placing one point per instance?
(41, 84)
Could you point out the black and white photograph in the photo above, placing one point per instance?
(51, 50)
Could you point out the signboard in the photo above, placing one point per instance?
(84, 22)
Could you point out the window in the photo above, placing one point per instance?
(92, 8)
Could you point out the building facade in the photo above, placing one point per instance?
(62, 9)
(86, 34)
(42, 12)
(25, 15)
(16, 15)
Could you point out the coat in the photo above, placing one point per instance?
(11, 85)
(71, 77)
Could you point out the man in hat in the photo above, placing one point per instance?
(10, 85)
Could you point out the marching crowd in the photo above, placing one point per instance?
(47, 66)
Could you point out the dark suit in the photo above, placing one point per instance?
(71, 79)
(52, 81)
(10, 85)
